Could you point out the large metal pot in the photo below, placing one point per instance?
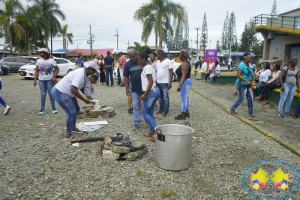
(173, 147)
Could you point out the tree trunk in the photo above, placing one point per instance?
(10, 39)
(156, 43)
(29, 47)
(64, 44)
(51, 43)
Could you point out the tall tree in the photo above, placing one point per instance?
(66, 36)
(155, 18)
(244, 39)
(204, 34)
(50, 12)
(8, 20)
(274, 8)
(224, 37)
(258, 48)
(231, 31)
(137, 46)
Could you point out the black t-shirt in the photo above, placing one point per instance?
(134, 71)
(109, 60)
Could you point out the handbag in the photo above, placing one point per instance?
(276, 82)
(253, 85)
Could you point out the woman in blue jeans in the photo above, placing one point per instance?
(6, 107)
(66, 91)
(47, 78)
(183, 73)
(243, 83)
(216, 71)
(150, 91)
(288, 86)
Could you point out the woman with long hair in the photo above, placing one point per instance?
(102, 70)
(243, 83)
(150, 91)
(216, 71)
(183, 73)
(47, 77)
(289, 80)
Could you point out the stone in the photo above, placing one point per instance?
(109, 155)
(135, 140)
(117, 143)
(104, 112)
(120, 149)
(138, 145)
(107, 140)
(11, 192)
(131, 156)
(141, 153)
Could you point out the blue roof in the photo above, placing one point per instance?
(237, 53)
(61, 50)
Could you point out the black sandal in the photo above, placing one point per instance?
(180, 117)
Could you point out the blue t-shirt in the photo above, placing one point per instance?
(247, 73)
(80, 62)
(109, 60)
(134, 71)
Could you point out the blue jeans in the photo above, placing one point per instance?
(198, 63)
(1, 100)
(184, 94)
(136, 102)
(148, 107)
(259, 89)
(297, 111)
(213, 77)
(207, 75)
(164, 97)
(44, 87)
(119, 77)
(109, 74)
(288, 95)
(97, 74)
(70, 106)
(243, 90)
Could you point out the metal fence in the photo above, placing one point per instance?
(290, 22)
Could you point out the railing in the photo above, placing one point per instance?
(290, 22)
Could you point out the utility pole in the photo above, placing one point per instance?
(117, 39)
(197, 40)
(128, 44)
(91, 41)
(191, 43)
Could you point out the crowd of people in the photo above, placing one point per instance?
(147, 78)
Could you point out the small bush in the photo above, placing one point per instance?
(139, 172)
(166, 193)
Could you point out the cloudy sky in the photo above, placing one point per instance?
(107, 16)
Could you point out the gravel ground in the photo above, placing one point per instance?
(36, 163)
(287, 128)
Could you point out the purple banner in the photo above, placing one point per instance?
(211, 52)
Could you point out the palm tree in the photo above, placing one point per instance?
(66, 36)
(33, 26)
(8, 20)
(49, 11)
(155, 18)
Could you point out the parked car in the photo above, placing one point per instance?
(31, 58)
(14, 63)
(175, 66)
(4, 69)
(65, 66)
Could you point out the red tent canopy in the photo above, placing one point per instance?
(87, 52)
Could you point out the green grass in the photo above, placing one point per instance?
(166, 193)
(118, 198)
(139, 172)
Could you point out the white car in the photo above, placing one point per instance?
(175, 66)
(65, 66)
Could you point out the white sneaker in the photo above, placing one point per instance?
(6, 110)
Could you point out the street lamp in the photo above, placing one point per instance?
(170, 3)
(77, 45)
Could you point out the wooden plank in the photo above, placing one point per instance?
(91, 139)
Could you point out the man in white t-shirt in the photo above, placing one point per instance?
(229, 63)
(164, 75)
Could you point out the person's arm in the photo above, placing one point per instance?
(170, 78)
(184, 71)
(239, 75)
(297, 82)
(126, 80)
(280, 79)
(55, 74)
(149, 86)
(74, 90)
(36, 73)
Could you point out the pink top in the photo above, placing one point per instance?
(275, 75)
(122, 62)
(208, 60)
